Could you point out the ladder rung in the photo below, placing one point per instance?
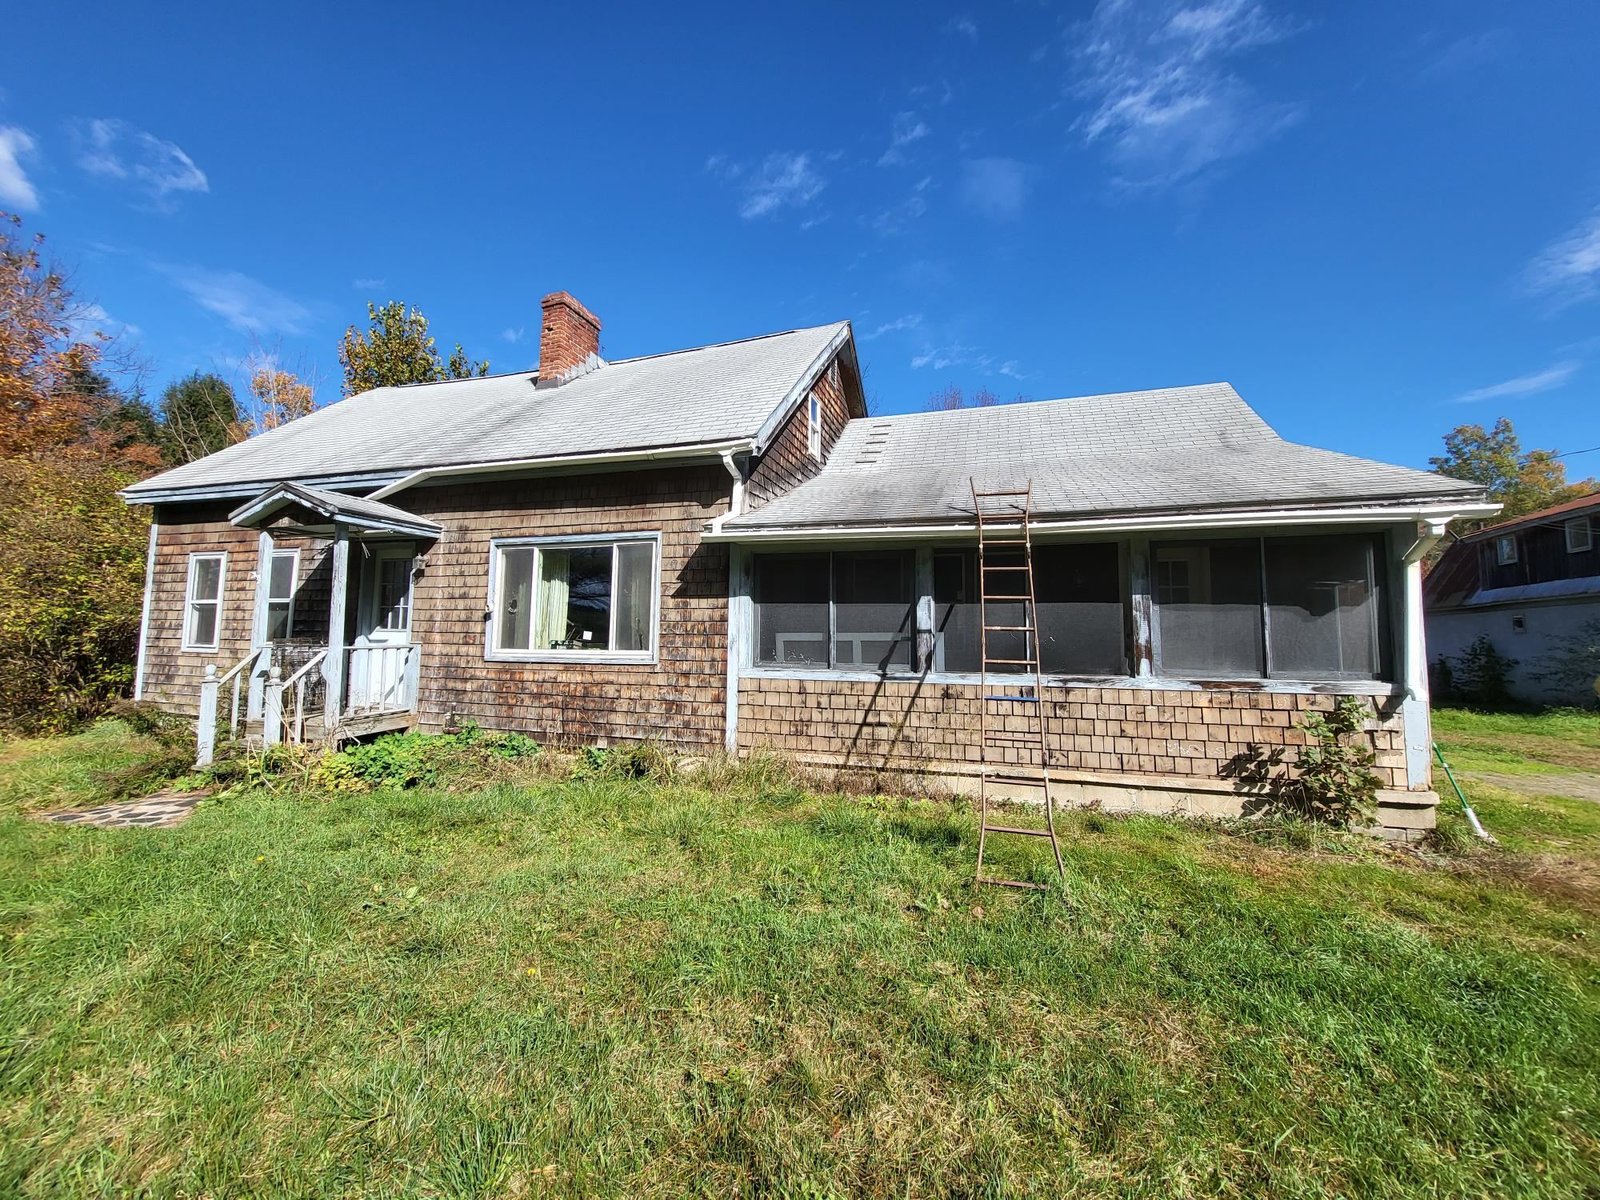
(1037, 781)
(1012, 492)
(1016, 883)
(1006, 599)
(1011, 662)
(1005, 566)
(1044, 833)
(1009, 628)
(1016, 698)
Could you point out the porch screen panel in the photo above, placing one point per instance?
(1082, 621)
(874, 595)
(955, 610)
(1323, 615)
(515, 616)
(1208, 609)
(791, 603)
(635, 576)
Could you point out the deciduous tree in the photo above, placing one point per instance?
(1523, 481)
(396, 349)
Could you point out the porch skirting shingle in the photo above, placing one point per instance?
(1124, 748)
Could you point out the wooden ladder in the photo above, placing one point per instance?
(1005, 583)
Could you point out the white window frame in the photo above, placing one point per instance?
(1501, 543)
(491, 648)
(814, 424)
(189, 601)
(1575, 528)
(294, 586)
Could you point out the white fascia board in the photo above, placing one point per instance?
(251, 488)
(1173, 522)
(698, 452)
(792, 400)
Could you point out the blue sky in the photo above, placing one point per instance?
(1377, 220)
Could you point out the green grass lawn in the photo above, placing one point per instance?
(597, 986)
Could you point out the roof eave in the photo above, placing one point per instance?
(1433, 512)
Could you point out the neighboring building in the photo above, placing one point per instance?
(1529, 585)
(718, 547)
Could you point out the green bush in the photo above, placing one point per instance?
(407, 760)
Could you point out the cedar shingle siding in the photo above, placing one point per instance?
(788, 462)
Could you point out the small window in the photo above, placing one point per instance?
(283, 571)
(814, 425)
(1505, 549)
(203, 602)
(394, 594)
(1519, 624)
(561, 599)
(1579, 536)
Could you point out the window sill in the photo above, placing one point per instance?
(1148, 683)
(198, 649)
(600, 657)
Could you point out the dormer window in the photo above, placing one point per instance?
(1580, 536)
(814, 425)
(1505, 549)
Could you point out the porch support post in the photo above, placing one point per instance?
(333, 665)
(923, 647)
(740, 624)
(258, 624)
(272, 708)
(1414, 649)
(1142, 605)
(205, 726)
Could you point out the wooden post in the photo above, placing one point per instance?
(144, 615)
(923, 646)
(1141, 593)
(1414, 709)
(272, 708)
(258, 624)
(205, 728)
(333, 665)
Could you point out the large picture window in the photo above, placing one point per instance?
(846, 610)
(1277, 608)
(574, 598)
(202, 620)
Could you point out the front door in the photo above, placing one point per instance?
(380, 654)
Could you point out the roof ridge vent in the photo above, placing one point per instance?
(871, 449)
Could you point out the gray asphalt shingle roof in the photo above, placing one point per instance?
(709, 394)
(1197, 447)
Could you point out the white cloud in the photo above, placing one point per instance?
(1569, 268)
(907, 129)
(513, 335)
(781, 180)
(91, 319)
(1467, 54)
(367, 285)
(996, 187)
(1164, 100)
(246, 304)
(894, 219)
(964, 25)
(909, 321)
(16, 189)
(1524, 385)
(939, 357)
(114, 149)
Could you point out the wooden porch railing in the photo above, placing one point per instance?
(210, 693)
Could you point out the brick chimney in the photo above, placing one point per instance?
(569, 335)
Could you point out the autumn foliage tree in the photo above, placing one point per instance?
(1523, 481)
(397, 349)
(71, 553)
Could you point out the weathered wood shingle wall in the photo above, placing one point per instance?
(679, 699)
(788, 462)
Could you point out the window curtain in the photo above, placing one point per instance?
(554, 570)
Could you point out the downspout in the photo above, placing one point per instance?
(144, 616)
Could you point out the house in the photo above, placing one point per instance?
(720, 547)
(1530, 586)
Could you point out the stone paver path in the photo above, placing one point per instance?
(158, 811)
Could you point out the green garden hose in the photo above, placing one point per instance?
(1472, 817)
